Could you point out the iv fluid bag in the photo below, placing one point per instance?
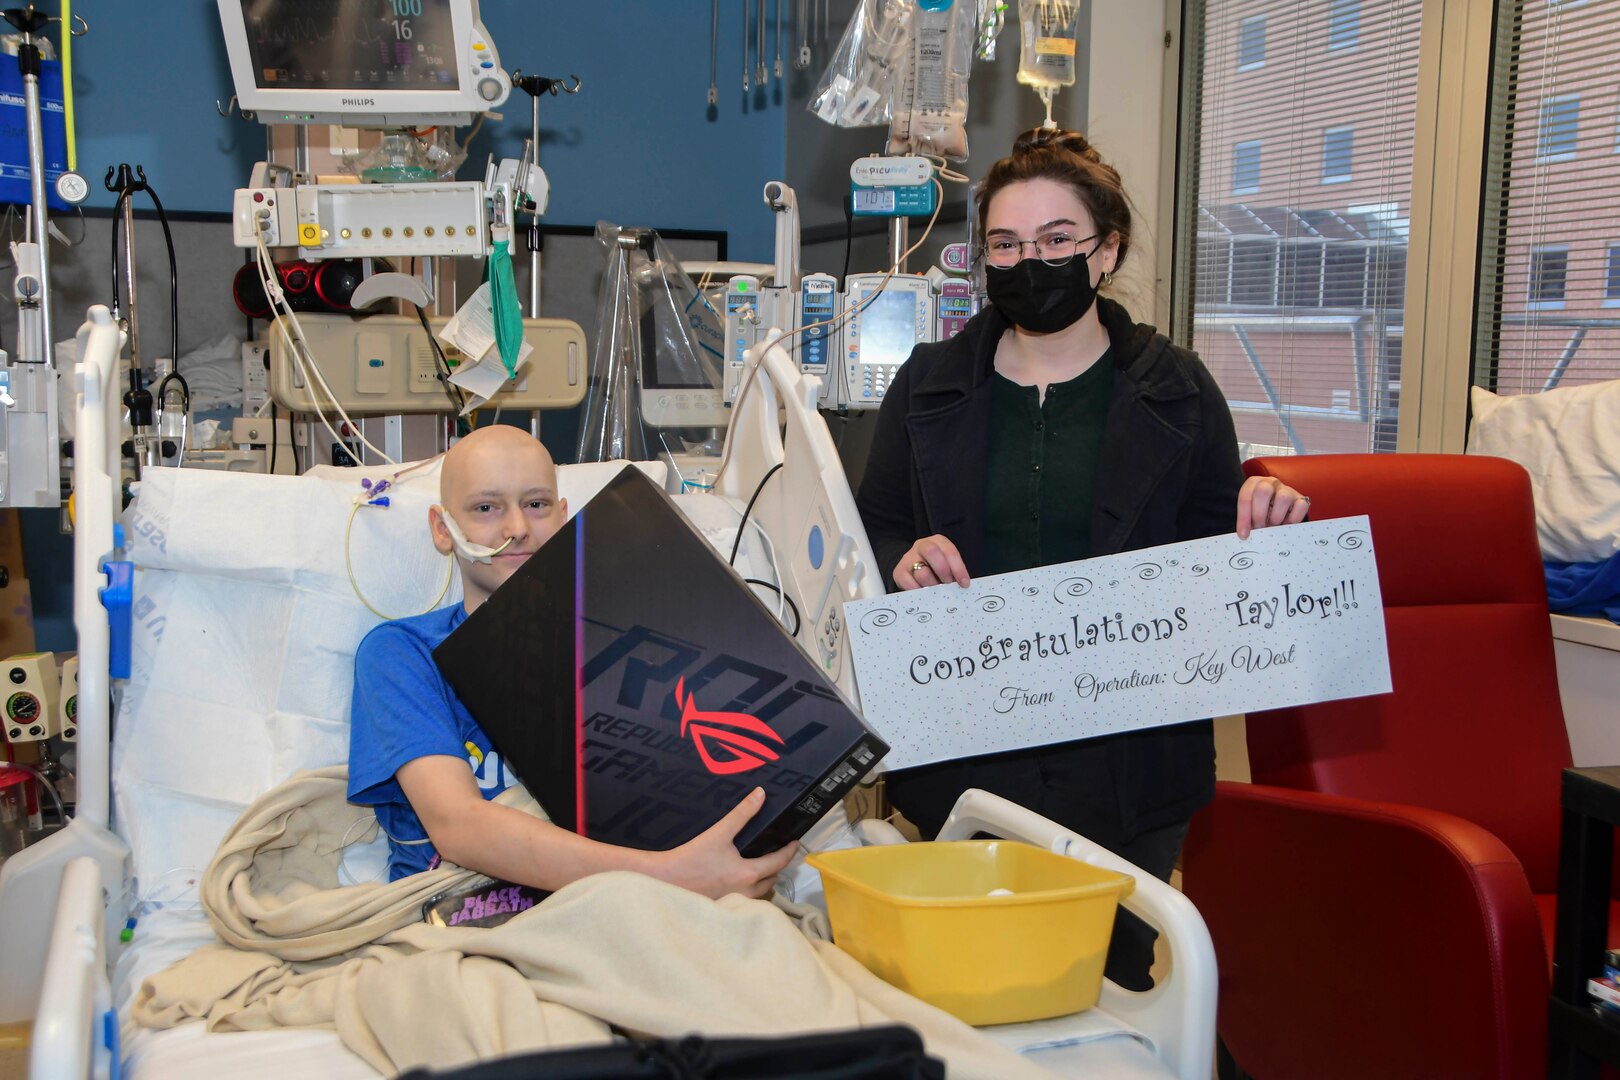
(1049, 32)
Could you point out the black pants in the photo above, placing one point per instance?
(1130, 951)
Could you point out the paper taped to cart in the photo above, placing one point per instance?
(1291, 616)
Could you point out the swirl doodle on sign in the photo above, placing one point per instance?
(1241, 561)
(1173, 562)
(1199, 570)
(950, 611)
(1323, 542)
(879, 618)
(992, 603)
(923, 616)
(1073, 588)
(1282, 554)
(1350, 541)
(1032, 590)
(1147, 571)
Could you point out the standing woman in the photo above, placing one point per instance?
(1055, 428)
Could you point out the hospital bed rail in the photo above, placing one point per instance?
(1179, 1012)
(33, 880)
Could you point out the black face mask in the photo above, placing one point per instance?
(1040, 297)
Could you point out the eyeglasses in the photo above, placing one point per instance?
(1053, 249)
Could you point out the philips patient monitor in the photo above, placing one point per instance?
(362, 63)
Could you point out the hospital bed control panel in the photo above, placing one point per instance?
(881, 331)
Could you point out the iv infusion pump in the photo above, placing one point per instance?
(879, 335)
(855, 357)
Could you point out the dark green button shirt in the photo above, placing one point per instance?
(1043, 461)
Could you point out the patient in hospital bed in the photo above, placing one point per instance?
(419, 759)
(296, 945)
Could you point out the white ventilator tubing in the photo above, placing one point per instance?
(466, 548)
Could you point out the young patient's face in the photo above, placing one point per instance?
(504, 486)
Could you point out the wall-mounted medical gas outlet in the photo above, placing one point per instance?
(270, 212)
(351, 221)
(385, 364)
(891, 186)
(255, 376)
(30, 689)
(67, 716)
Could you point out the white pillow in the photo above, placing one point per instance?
(245, 632)
(1568, 440)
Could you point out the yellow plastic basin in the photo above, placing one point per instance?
(922, 917)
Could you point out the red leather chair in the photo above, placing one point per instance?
(1381, 896)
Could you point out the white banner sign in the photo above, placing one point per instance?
(1211, 627)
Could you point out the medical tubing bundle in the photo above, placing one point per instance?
(298, 346)
(127, 184)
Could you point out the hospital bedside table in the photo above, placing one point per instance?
(1581, 1035)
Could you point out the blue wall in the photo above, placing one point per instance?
(638, 145)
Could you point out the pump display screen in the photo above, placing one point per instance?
(888, 328)
(351, 44)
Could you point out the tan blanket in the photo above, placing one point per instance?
(619, 949)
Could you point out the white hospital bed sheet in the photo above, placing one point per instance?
(189, 1052)
(1090, 1044)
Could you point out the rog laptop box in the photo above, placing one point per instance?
(639, 689)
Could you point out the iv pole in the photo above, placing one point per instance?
(29, 22)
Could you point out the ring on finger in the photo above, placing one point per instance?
(918, 567)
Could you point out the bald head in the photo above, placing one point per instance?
(499, 486)
(498, 456)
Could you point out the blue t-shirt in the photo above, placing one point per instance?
(403, 710)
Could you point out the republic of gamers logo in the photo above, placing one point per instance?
(723, 732)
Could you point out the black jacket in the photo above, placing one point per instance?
(1167, 471)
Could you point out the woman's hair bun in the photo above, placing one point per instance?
(1042, 138)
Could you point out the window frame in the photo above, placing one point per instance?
(1350, 154)
(1340, 11)
(1611, 274)
(1258, 145)
(1534, 276)
(1542, 128)
(1243, 24)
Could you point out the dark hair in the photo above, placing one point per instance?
(1067, 158)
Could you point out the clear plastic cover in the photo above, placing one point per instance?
(931, 102)
(403, 157)
(654, 328)
(858, 87)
